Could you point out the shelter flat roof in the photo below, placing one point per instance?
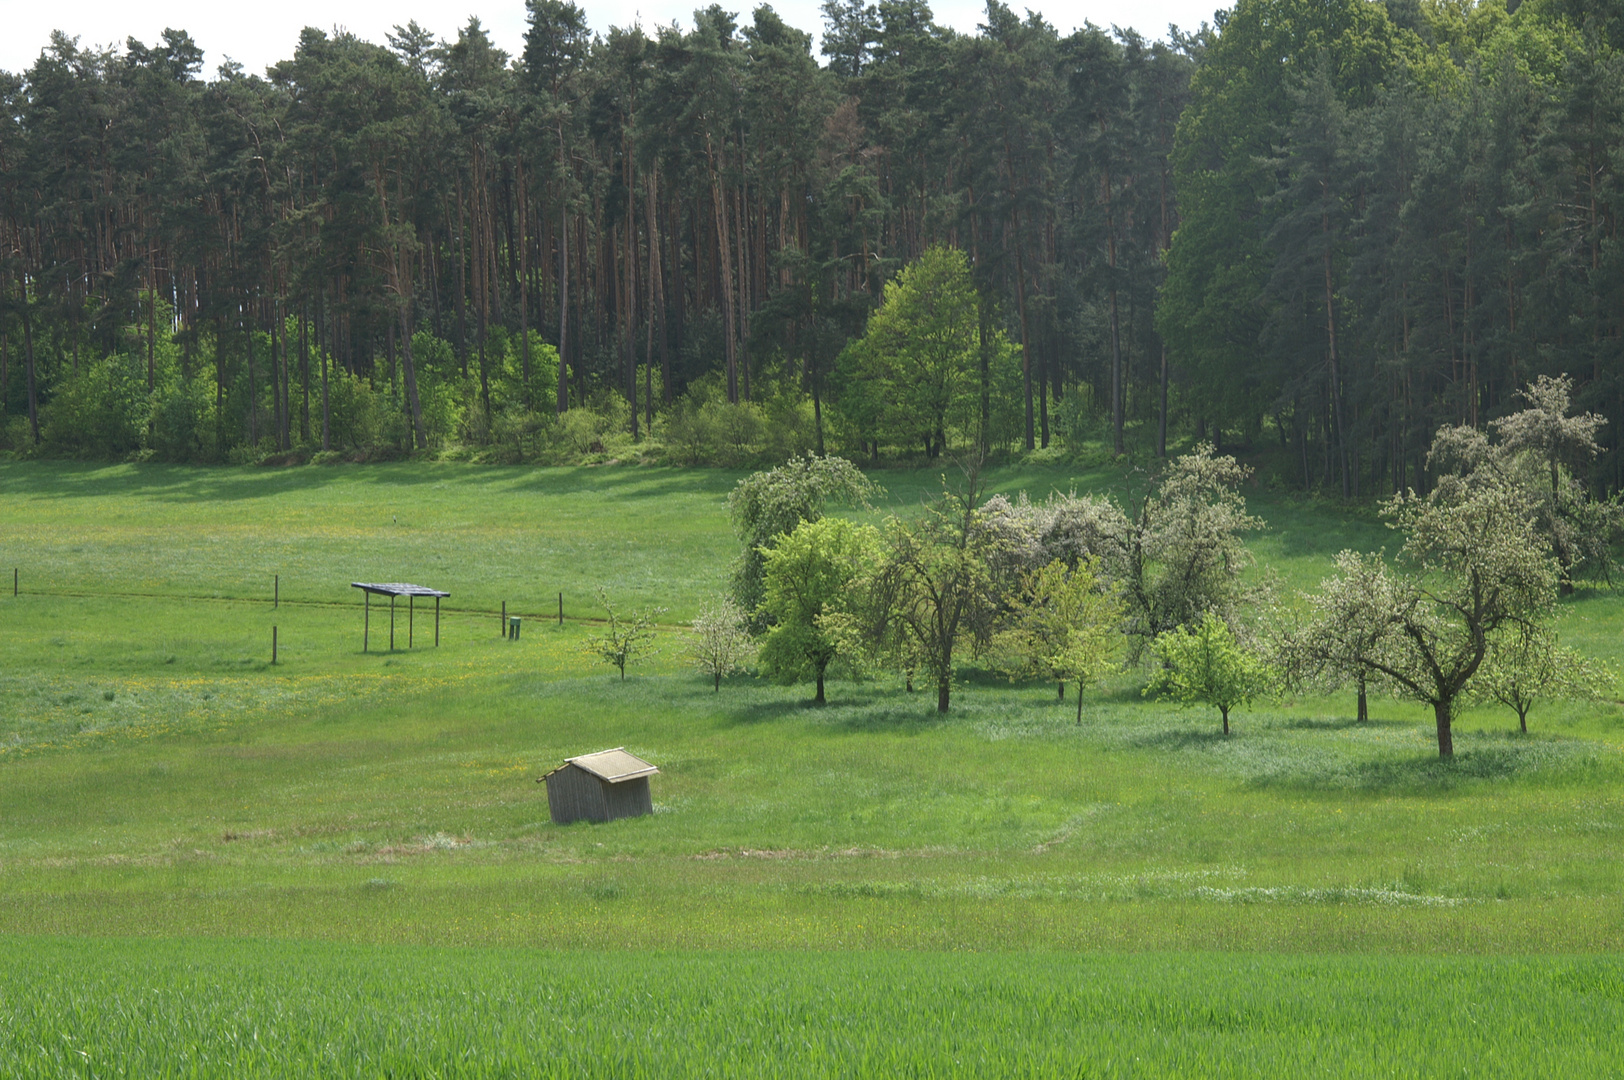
(397, 588)
(613, 765)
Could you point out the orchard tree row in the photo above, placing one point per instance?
(1066, 588)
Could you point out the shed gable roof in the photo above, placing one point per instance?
(612, 766)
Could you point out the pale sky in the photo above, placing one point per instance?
(257, 33)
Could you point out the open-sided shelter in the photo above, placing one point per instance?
(393, 590)
(599, 787)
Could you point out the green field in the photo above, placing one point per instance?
(294, 1009)
(351, 852)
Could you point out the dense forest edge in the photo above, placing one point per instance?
(1321, 229)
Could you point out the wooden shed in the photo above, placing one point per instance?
(599, 787)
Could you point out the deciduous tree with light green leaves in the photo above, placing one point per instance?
(934, 593)
(1063, 625)
(916, 374)
(770, 504)
(623, 639)
(810, 575)
(1205, 665)
(1532, 667)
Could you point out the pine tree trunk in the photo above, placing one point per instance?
(1161, 425)
(483, 282)
(1043, 398)
(253, 396)
(725, 272)
(462, 281)
(1335, 369)
(656, 288)
(741, 232)
(984, 439)
(1026, 351)
(524, 289)
(628, 301)
(1116, 328)
(152, 322)
(284, 397)
(304, 374)
(563, 284)
(409, 370)
(28, 357)
(326, 413)
(563, 399)
(651, 235)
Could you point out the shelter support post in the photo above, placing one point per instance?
(366, 619)
(411, 603)
(436, 622)
(391, 624)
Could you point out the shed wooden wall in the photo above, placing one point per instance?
(573, 794)
(629, 798)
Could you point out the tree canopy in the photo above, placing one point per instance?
(1329, 226)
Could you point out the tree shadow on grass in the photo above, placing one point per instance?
(1544, 762)
(1417, 776)
(1337, 723)
(1182, 739)
(626, 481)
(891, 718)
(767, 712)
(981, 677)
(196, 483)
(1118, 693)
(849, 712)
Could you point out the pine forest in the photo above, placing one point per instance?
(1322, 228)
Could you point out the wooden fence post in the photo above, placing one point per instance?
(273, 644)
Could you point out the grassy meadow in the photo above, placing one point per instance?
(351, 853)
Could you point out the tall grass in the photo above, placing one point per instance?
(269, 1009)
